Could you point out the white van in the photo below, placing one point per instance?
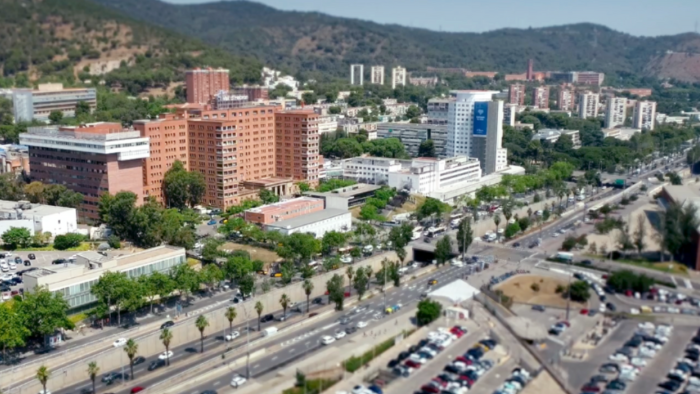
(270, 331)
(491, 237)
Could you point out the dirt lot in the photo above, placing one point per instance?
(520, 288)
(266, 256)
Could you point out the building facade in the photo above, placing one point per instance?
(589, 78)
(567, 97)
(253, 92)
(412, 135)
(90, 159)
(167, 137)
(372, 170)
(203, 84)
(398, 77)
(427, 175)
(297, 142)
(540, 97)
(588, 105)
(49, 97)
(509, 112)
(37, 218)
(438, 109)
(475, 129)
(357, 74)
(377, 75)
(317, 223)
(516, 94)
(615, 112)
(284, 210)
(644, 115)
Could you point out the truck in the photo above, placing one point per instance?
(269, 331)
(619, 183)
(565, 256)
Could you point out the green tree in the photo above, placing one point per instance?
(578, 291)
(360, 283)
(512, 229)
(443, 250)
(299, 246)
(496, 220)
(114, 242)
(285, 301)
(82, 108)
(92, 371)
(400, 237)
(335, 291)
(427, 149)
(308, 288)
(113, 289)
(211, 274)
(56, 117)
(201, 323)
(334, 110)
(183, 188)
(43, 312)
(186, 280)
(303, 187)
(210, 250)
(259, 311)
(624, 240)
(428, 312)
(42, 375)
(268, 197)
(166, 336)
(131, 349)
(67, 241)
(230, 315)
(332, 240)
(13, 332)
(412, 112)
(16, 237)
(465, 235)
(431, 207)
(625, 280)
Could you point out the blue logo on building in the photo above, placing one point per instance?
(481, 116)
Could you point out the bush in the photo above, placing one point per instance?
(67, 241)
(428, 312)
(560, 289)
(627, 280)
(579, 291)
(354, 363)
(535, 287)
(114, 242)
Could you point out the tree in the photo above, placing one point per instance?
(432, 206)
(497, 221)
(43, 312)
(166, 336)
(308, 288)
(349, 272)
(186, 280)
(114, 242)
(268, 197)
(427, 149)
(230, 315)
(131, 349)
(465, 235)
(56, 117)
(211, 274)
(625, 280)
(92, 371)
(360, 283)
(428, 312)
(624, 240)
(443, 250)
(332, 240)
(640, 234)
(524, 223)
(16, 237)
(299, 246)
(67, 241)
(285, 301)
(42, 375)
(82, 108)
(511, 230)
(303, 187)
(335, 291)
(259, 309)
(578, 291)
(412, 112)
(13, 333)
(112, 288)
(400, 237)
(210, 249)
(201, 323)
(182, 188)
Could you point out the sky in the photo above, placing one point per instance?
(637, 17)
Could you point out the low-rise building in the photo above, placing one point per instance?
(37, 218)
(347, 197)
(373, 170)
(553, 135)
(75, 280)
(14, 159)
(49, 97)
(620, 133)
(283, 210)
(317, 223)
(412, 135)
(427, 174)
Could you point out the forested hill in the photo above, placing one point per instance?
(60, 40)
(305, 41)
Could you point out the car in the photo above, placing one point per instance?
(237, 380)
(167, 324)
(599, 379)
(611, 307)
(375, 389)
(403, 355)
(350, 329)
(431, 387)
(110, 377)
(616, 385)
(586, 262)
(27, 263)
(139, 360)
(231, 336)
(516, 244)
(340, 334)
(412, 364)
(670, 385)
(327, 339)
(317, 300)
(590, 388)
(402, 370)
(539, 308)
(31, 256)
(119, 342)
(59, 261)
(361, 324)
(136, 389)
(166, 355)
(618, 357)
(156, 364)
(346, 259)
(418, 358)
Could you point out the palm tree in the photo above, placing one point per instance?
(201, 324)
(308, 288)
(349, 272)
(529, 213)
(230, 316)
(285, 301)
(259, 309)
(42, 375)
(131, 348)
(497, 221)
(92, 371)
(166, 336)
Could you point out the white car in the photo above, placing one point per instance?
(429, 350)
(3, 266)
(673, 310)
(646, 326)
(238, 380)
(361, 324)
(6, 277)
(327, 340)
(119, 342)
(360, 389)
(661, 338)
(166, 355)
(13, 265)
(418, 358)
(232, 336)
(432, 335)
(638, 362)
(645, 352)
(618, 357)
(634, 311)
(368, 249)
(346, 259)
(340, 334)
(601, 308)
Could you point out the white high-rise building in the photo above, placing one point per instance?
(377, 75)
(566, 98)
(588, 105)
(398, 77)
(644, 115)
(357, 72)
(615, 112)
(475, 129)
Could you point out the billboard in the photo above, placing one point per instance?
(481, 116)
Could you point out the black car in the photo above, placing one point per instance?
(59, 261)
(317, 300)
(393, 363)
(268, 317)
(540, 308)
(452, 369)
(586, 262)
(610, 306)
(27, 263)
(31, 256)
(112, 376)
(447, 378)
(616, 385)
(516, 244)
(400, 370)
(403, 355)
(4, 287)
(603, 298)
(599, 378)
(350, 330)
(208, 392)
(16, 280)
(18, 260)
(425, 355)
(167, 324)
(139, 360)
(670, 385)
(156, 364)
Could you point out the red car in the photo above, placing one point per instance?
(136, 389)
(588, 388)
(412, 364)
(439, 382)
(584, 311)
(566, 323)
(431, 388)
(464, 360)
(457, 332)
(467, 379)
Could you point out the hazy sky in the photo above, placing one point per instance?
(638, 17)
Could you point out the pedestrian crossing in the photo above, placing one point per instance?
(300, 337)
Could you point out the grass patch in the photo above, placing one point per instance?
(192, 262)
(669, 267)
(84, 246)
(408, 206)
(256, 253)
(77, 318)
(354, 363)
(314, 386)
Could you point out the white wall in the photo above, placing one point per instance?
(320, 228)
(57, 223)
(23, 223)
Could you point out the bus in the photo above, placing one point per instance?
(435, 231)
(417, 232)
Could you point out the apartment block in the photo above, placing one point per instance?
(357, 74)
(398, 77)
(615, 112)
(297, 145)
(509, 112)
(412, 135)
(377, 75)
(540, 97)
(203, 84)
(566, 99)
(167, 137)
(48, 97)
(644, 115)
(438, 109)
(90, 159)
(253, 92)
(588, 105)
(277, 212)
(589, 78)
(516, 94)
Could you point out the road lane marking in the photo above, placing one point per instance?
(688, 284)
(291, 350)
(274, 358)
(256, 365)
(218, 382)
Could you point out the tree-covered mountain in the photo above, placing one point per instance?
(62, 40)
(305, 41)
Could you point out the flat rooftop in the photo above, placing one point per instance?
(348, 191)
(284, 206)
(309, 219)
(36, 209)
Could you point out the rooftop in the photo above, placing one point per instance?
(32, 209)
(284, 206)
(308, 219)
(348, 191)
